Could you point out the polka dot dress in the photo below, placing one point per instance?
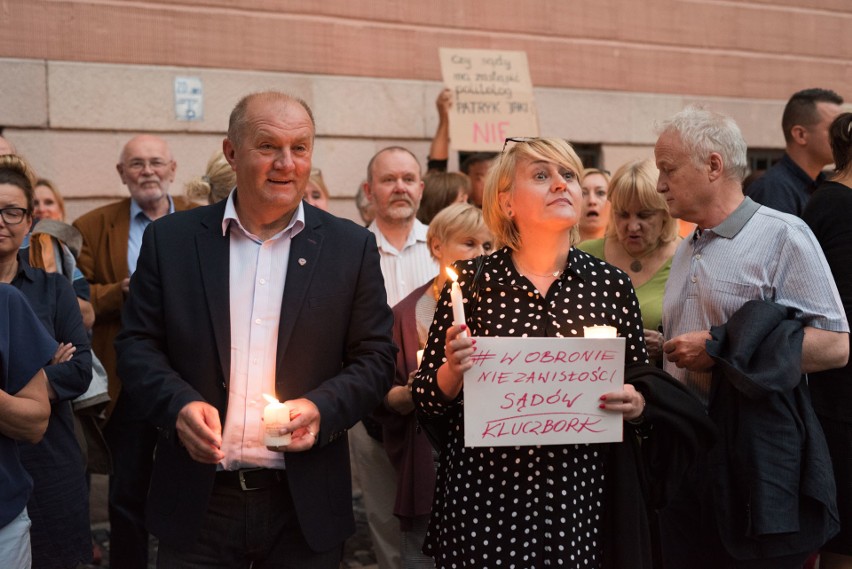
(523, 506)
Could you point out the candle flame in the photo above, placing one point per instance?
(452, 274)
(269, 398)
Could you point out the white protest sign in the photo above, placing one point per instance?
(542, 391)
(492, 97)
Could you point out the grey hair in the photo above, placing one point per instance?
(703, 132)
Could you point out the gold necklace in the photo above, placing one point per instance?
(554, 274)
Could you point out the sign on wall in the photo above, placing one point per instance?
(189, 99)
(542, 391)
(492, 97)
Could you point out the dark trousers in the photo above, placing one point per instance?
(689, 536)
(242, 529)
(131, 444)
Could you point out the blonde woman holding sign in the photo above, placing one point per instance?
(565, 505)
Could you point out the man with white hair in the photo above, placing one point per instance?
(764, 496)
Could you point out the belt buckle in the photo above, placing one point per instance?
(241, 475)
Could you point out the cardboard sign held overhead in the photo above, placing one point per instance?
(542, 391)
(492, 97)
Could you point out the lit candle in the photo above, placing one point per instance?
(419, 357)
(600, 332)
(457, 300)
(275, 416)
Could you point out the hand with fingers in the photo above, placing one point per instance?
(689, 351)
(458, 349)
(64, 352)
(629, 402)
(304, 426)
(200, 432)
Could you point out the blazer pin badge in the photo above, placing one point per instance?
(302, 261)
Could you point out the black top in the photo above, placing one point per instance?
(827, 215)
(784, 187)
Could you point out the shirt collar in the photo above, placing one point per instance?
(297, 222)
(737, 220)
(25, 270)
(135, 210)
(416, 235)
(797, 172)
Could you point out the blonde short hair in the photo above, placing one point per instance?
(637, 181)
(501, 176)
(455, 219)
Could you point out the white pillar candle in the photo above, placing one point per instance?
(600, 332)
(275, 416)
(457, 300)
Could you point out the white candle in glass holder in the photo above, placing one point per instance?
(600, 332)
(457, 300)
(275, 416)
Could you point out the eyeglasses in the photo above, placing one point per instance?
(517, 139)
(155, 164)
(13, 215)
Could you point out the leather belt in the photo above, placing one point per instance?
(249, 479)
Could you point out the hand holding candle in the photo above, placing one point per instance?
(275, 416)
(457, 301)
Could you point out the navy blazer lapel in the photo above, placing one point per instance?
(304, 256)
(213, 259)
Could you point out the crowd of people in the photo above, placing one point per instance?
(157, 339)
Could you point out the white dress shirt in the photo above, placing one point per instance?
(409, 268)
(257, 275)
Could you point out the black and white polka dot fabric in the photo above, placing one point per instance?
(523, 507)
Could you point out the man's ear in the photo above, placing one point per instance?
(799, 134)
(229, 151)
(120, 169)
(367, 191)
(715, 166)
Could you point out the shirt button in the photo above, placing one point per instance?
(695, 279)
(698, 257)
(257, 321)
(263, 281)
(254, 361)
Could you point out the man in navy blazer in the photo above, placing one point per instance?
(260, 293)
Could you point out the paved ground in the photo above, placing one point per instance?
(358, 552)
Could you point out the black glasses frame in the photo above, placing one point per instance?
(22, 210)
(517, 139)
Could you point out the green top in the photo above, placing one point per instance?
(650, 294)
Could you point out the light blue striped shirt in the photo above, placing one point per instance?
(757, 253)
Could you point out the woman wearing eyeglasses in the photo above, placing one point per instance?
(59, 506)
(571, 505)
